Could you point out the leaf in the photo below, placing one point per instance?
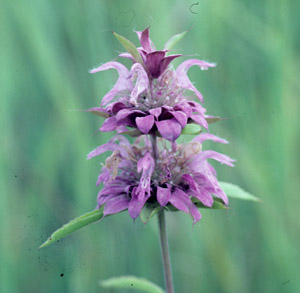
(132, 282)
(148, 211)
(217, 205)
(74, 225)
(212, 119)
(130, 47)
(101, 114)
(132, 133)
(174, 40)
(235, 191)
(191, 129)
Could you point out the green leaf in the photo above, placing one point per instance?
(217, 205)
(148, 211)
(235, 191)
(213, 119)
(174, 40)
(133, 133)
(130, 47)
(74, 225)
(101, 114)
(132, 282)
(191, 129)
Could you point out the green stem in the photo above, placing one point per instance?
(165, 252)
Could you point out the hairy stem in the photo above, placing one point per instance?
(165, 252)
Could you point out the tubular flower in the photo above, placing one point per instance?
(152, 96)
(176, 178)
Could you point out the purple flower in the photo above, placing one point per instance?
(179, 175)
(152, 97)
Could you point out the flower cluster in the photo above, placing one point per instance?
(157, 102)
(132, 176)
(152, 96)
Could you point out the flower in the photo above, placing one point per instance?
(179, 175)
(152, 96)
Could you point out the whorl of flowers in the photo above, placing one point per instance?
(156, 102)
(178, 175)
(152, 96)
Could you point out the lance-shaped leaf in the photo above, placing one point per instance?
(235, 191)
(174, 40)
(130, 47)
(212, 119)
(191, 129)
(131, 282)
(74, 225)
(148, 212)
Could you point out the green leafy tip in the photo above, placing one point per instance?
(174, 40)
(235, 191)
(131, 282)
(74, 225)
(148, 212)
(191, 129)
(130, 47)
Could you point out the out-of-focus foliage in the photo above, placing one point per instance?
(46, 50)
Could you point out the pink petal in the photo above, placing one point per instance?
(166, 61)
(163, 195)
(116, 205)
(142, 81)
(145, 40)
(155, 112)
(153, 62)
(123, 82)
(109, 124)
(223, 159)
(200, 120)
(145, 124)
(105, 148)
(181, 201)
(208, 136)
(180, 117)
(183, 79)
(169, 129)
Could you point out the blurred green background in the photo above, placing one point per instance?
(46, 50)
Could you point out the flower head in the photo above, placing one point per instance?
(152, 96)
(178, 176)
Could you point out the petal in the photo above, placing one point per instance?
(142, 81)
(126, 55)
(163, 195)
(184, 107)
(166, 61)
(208, 136)
(155, 112)
(181, 201)
(135, 205)
(183, 80)
(124, 113)
(180, 117)
(169, 129)
(109, 124)
(116, 205)
(145, 40)
(123, 82)
(223, 159)
(153, 62)
(145, 124)
(105, 148)
(146, 163)
(204, 196)
(200, 120)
